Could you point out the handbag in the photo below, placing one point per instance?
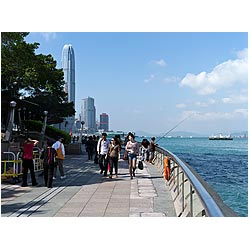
(140, 165)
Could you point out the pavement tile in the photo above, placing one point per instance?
(86, 193)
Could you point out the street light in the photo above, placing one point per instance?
(8, 133)
(43, 128)
(82, 123)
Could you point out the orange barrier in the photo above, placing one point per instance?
(166, 172)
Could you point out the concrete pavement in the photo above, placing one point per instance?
(86, 193)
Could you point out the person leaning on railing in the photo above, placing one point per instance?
(151, 149)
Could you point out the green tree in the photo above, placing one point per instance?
(33, 81)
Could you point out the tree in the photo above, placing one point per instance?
(33, 81)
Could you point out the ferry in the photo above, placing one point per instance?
(220, 137)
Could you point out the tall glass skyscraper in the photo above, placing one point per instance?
(68, 65)
(88, 114)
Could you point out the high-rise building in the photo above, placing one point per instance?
(68, 65)
(104, 122)
(88, 114)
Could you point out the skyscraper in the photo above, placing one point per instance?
(68, 65)
(104, 122)
(88, 114)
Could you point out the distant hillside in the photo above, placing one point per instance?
(173, 133)
(187, 134)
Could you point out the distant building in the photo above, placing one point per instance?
(68, 65)
(88, 114)
(104, 122)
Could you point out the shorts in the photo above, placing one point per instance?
(132, 156)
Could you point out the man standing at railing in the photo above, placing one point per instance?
(28, 163)
(151, 149)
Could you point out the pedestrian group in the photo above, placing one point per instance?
(107, 154)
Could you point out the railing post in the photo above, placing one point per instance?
(182, 192)
(178, 180)
(191, 201)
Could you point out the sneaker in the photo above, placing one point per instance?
(63, 177)
(101, 171)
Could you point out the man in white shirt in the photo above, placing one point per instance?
(102, 150)
(59, 147)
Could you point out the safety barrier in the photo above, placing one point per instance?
(12, 165)
(192, 196)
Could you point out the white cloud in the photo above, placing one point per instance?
(201, 104)
(223, 75)
(181, 105)
(216, 116)
(171, 79)
(49, 35)
(161, 63)
(150, 78)
(233, 99)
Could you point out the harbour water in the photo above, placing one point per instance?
(222, 164)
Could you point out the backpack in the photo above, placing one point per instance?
(60, 153)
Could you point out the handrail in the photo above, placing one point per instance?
(212, 203)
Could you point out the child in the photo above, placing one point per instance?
(48, 156)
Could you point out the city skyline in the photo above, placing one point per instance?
(140, 78)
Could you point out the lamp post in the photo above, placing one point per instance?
(8, 133)
(43, 128)
(82, 123)
(19, 120)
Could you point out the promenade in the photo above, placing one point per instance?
(86, 193)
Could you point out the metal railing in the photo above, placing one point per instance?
(12, 164)
(191, 194)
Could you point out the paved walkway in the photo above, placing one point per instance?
(87, 193)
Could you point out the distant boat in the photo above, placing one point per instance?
(220, 137)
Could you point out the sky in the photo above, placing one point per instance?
(158, 79)
(150, 81)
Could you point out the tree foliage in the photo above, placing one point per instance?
(32, 80)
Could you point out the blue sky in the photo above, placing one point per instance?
(150, 81)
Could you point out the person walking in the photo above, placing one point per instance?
(48, 156)
(113, 155)
(60, 150)
(132, 147)
(90, 147)
(28, 163)
(95, 139)
(102, 149)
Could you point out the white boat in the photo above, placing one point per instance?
(220, 137)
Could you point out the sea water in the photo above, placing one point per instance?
(223, 164)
